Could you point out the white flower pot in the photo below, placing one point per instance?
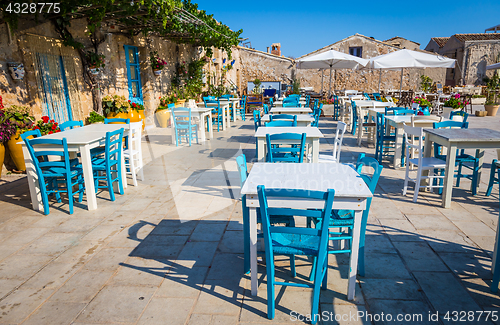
(447, 110)
(94, 71)
(478, 101)
(16, 71)
(157, 72)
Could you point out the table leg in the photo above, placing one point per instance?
(427, 154)
(260, 150)
(228, 116)
(124, 174)
(315, 150)
(88, 177)
(211, 129)
(448, 177)
(253, 250)
(224, 123)
(36, 197)
(201, 128)
(398, 147)
(353, 263)
(480, 155)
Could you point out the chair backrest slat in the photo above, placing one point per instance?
(70, 125)
(339, 136)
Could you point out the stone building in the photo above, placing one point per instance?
(270, 67)
(54, 82)
(403, 43)
(473, 53)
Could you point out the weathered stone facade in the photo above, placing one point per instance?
(113, 79)
(269, 67)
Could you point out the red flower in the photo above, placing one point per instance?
(45, 119)
(53, 126)
(51, 121)
(50, 132)
(58, 131)
(36, 128)
(129, 100)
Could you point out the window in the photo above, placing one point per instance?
(134, 74)
(356, 51)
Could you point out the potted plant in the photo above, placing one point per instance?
(425, 84)
(21, 119)
(95, 62)
(47, 126)
(492, 103)
(455, 102)
(256, 86)
(162, 112)
(478, 100)
(140, 111)
(94, 117)
(7, 129)
(115, 106)
(157, 64)
(133, 114)
(328, 106)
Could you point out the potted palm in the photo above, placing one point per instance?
(492, 102)
(115, 106)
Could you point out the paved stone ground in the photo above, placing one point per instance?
(169, 251)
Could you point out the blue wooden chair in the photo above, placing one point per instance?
(256, 119)
(51, 174)
(265, 108)
(462, 159)
(344, 219)
(316, 115)
(392, 110)
(241, 162)
(70, 125)
(308, 100)
(281, 123)
(291, 102)
(495, 169)
(184, 126)
(296, 240)
(354, 114)
(275, 117)
(109, 167)
(116, 121)
(336, 107)
(292, 151)
(367, 96)
(217, 116)
(271, 102)
(463, 114)
(209, 99)
(385, 143)
(241, 111)
(294, 96)
(377, 97)
(404, 111)
(32, 133)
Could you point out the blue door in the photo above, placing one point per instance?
(53, 87)
(133, 74)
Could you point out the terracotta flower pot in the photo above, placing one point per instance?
(117, 115)
(491, 109)
(180, 103)
(2, 157)
(133, 115)
(16, 151)
(163, 117)
(143, 118)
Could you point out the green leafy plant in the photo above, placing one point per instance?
(421, 101)
(138, 107)
(295, 86)
(115, 104)
(478, 96)
(95, 61)
(425, 83)
(456, 101)
(94, 117)
(20, 117)
(492, 87)
(256, 86)
(167, 99)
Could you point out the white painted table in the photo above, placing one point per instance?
(233, 104)
(302, 119)
(279, 103)
(455, 139)
(290, 110)
(312, 139)
(79, 140)
(397, 122)
(351, 193)
(200, 113)
(226, 116)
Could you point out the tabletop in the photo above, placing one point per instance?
(407, 119)
(311, 132)
(314, 177)
(291, 109)
(466, 135)
(372, 102)
(300, 117)
(86, 134)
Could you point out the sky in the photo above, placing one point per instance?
(305, 26)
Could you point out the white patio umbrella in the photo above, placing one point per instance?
(408, 59)
(493, 66)
(332, 60)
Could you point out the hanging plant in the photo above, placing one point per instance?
(157, 64)
(95, 61)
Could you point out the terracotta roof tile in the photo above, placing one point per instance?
(477, 37)
(441, 41)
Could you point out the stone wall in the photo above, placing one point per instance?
(477, 56)
(112, 80)
(269, 67)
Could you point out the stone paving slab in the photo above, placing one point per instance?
(169, 251)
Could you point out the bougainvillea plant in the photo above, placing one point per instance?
(47, 126)
(421, 101)
(7, 129)
(156, 62)
(455, 102)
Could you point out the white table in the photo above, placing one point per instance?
(226, 116)
(364, 108)
(290, 110)
(397, 122)
(200, 113)
(312, 139)
(233, 104)
(455, 139)
(79, 140)
(351, 193)
(279, 103)
(302, 119)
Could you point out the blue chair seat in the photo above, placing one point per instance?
(295, 244)
(61, 172)
(100, 163)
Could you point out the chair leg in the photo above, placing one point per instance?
(459, 173)
(496, 277)
(292, 265)
(417, 183)
(316, 292)
(407, 175)
(270, 288)
(492, 177)
(70, 194)
(119, 176)
(110, 185)
(246, 236)
(475, 184)
(131, 164)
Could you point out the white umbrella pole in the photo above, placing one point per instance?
(330, 91)
(401, 84)
(322, 74)
(379, 79)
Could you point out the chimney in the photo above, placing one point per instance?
(276, 49)
(268, 49)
